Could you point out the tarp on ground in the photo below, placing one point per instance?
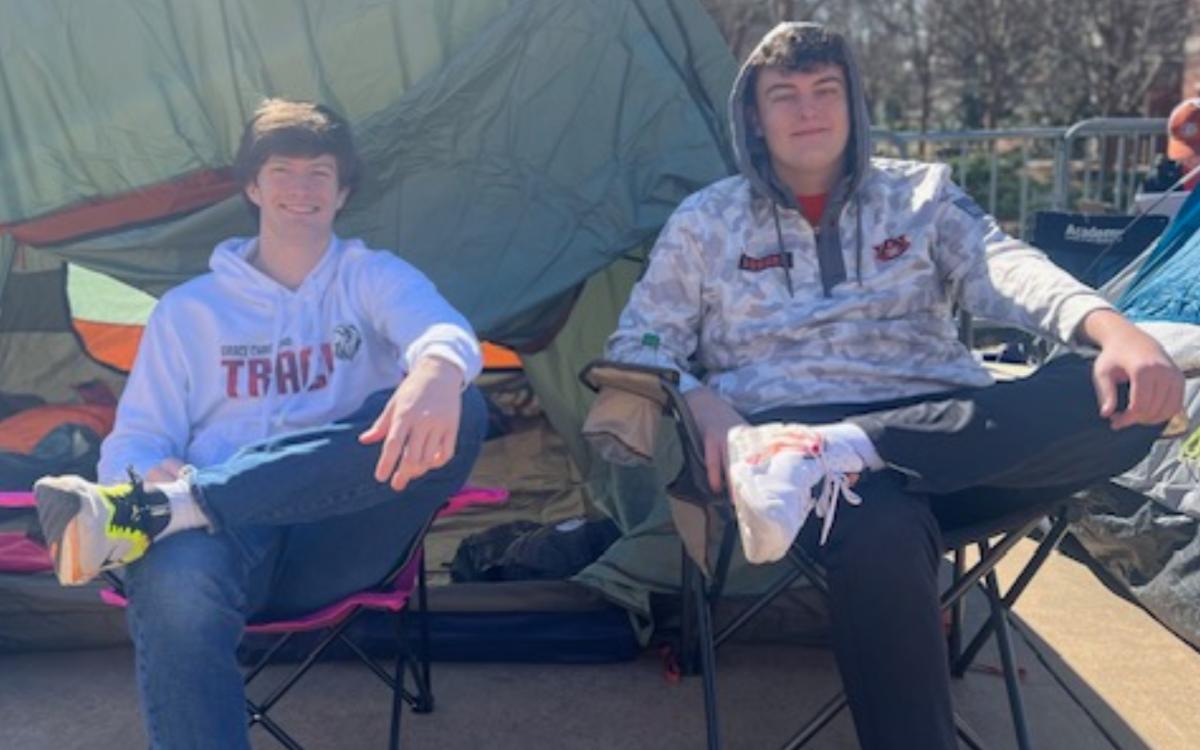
(514, 150)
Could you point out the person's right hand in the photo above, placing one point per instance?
(166, 471)
(419, 426)
(714, 417)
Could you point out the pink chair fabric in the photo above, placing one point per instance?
(393, 600)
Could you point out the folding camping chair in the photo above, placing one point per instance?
(392, 594)
(707, 527)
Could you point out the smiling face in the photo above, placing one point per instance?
(804, 117)
(297, 195)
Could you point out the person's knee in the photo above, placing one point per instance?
(1131, 445)
(186, 585)
(889, 536)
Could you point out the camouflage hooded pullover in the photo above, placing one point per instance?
(718, 290)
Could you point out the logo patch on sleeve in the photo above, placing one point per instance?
(892, 248)
(754, 265)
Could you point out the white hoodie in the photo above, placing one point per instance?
(233, 356)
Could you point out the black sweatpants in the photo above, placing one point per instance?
(953, 459)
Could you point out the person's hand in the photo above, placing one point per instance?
(166, 471)
(1129, 355)
(419, 425)
(714, 418)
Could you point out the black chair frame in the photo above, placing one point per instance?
(702, 585)
(408, 664)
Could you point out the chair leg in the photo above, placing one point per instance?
(266, 658)
(399, 680)
(258, 716)
(957, 614)
(397, 707)
(777, 587)
(1008, 660)
(966, 733)
(423, 669)
(1040, 555)
(708, 664)
(814, 726)
(687, 615)
(306, 664)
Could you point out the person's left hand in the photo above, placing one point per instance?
(1128, 355)
(419, 425)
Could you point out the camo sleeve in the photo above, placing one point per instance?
(660, 325)
(998, 277)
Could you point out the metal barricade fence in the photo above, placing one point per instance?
(1094, 166)
(1102, 161)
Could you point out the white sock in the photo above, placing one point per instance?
(852, 436)
(185, 511)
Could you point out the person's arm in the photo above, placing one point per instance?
(660, 326)
(406, 308)
(996, 276)
(152, 426)
(418, 428)
(714, 418)
(1129, 355)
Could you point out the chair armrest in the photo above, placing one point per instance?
(660, 385)
(654, 383)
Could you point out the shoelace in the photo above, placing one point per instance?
(836, 485)
(138, 504)
(136, 499)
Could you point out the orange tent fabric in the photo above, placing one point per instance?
(23, 430)
(114, 344)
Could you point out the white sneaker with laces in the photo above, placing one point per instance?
(773, 471)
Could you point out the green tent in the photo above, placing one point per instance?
(523, 153)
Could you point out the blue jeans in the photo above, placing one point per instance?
(298, 523)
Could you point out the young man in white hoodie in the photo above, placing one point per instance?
(290, 418)
(817, 287)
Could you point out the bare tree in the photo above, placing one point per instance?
(990, 63)
(1110, 55)
(906, 32)
(986, 49)
(743, 22)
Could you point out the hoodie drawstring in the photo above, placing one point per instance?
(858, 241)
(787, 270)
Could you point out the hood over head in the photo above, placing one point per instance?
(786, 46)
(750, 150)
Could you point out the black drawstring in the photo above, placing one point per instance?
(858, 242)
(783, 256)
